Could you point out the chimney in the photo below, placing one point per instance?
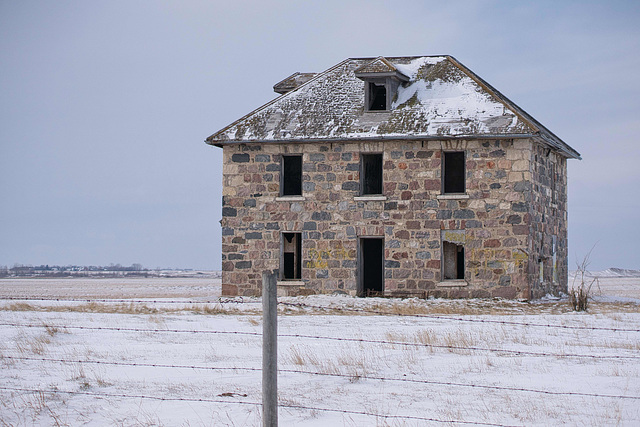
(292, 82)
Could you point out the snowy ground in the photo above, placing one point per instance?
(424, 363)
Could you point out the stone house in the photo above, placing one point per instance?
(394, 176)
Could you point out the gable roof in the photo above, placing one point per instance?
(442, 99)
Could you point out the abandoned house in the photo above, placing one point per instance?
(394, 176)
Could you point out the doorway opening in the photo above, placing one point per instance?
(371, 267)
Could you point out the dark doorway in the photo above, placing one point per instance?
(371, 267)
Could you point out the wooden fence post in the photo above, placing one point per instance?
(269, 350)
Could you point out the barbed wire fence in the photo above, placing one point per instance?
(321, 309)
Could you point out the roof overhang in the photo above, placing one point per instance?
(379, 138)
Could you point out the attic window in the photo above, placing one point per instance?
(382, 79)
(377, 97)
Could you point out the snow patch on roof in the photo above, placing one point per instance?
(411, 69)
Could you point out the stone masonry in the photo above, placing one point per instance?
(511, 219)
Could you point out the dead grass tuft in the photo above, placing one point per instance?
(19, 306)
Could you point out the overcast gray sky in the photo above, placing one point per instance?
(104, 106)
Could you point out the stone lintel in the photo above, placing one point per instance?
(370, 198)
(290, 199)
(452, 196)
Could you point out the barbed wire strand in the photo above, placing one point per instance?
(118, 329)
(350, 376)
(360, 340)
(241, 300)
(451, 347)
(460, 319)
(240, 402)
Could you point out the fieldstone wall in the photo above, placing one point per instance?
(493, 220)
(548, 267)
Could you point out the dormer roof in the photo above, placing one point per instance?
(440, 99)
(379, 68)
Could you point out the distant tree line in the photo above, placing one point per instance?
(111, 270)
(21, 270)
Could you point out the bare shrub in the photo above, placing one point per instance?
(580, 293)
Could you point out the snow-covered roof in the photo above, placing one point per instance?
(442, 99)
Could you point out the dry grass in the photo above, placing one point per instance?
(130, 308)
(351, 361)
(27, 344)
(441, 307)
(31, 409)
(304, 356)
(363, 307)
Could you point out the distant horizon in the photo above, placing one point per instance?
(142, 268)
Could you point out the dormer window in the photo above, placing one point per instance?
(377, 97)
(381, 80)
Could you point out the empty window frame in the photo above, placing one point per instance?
(453, 172)
(371, 173)
(376, 97)
(291, 260)
(291, 175)
(541, 270)
(554, 248)
(452, 261)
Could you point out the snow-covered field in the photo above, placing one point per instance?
(163, 354)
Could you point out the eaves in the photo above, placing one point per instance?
(374, 139)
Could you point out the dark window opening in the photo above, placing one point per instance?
(377, 97)
(453, 172)
(371, 267)
(291, 256)
(371, 173)
(291, 177)
(453, 261)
